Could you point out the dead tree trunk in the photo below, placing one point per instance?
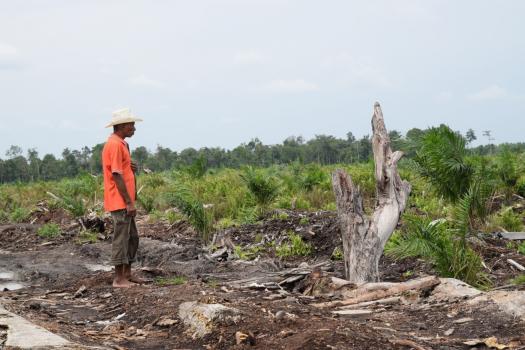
(364, 238)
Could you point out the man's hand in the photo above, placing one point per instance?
(134, 166)
(131, 210)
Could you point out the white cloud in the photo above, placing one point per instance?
(493, 92)
(291, 86)
(145, 81)
(356, 71)
(249, 57)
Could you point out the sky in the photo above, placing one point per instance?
(208, 73)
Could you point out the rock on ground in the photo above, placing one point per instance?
(511, 302)
(451, 289)
(202, 318)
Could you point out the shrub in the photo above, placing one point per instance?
(49, 230)
(337, 254)
(248, 215)
(520, 186)
(152, 180)
(507, 171)
(437, 243)
(442, 160)
(281, 215)
(76, 206)
(248, 253)
(225, 223)
(313, 176)
(19, 214)
(198, 167)
(146, 200)
(88, 237)
(508, 220)
(317, 198)
(263, 187)
(295, 247)
(182, 198)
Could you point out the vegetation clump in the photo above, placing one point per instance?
(294, 247)
(170, 281)
(437, 242)
(262, 186)
(49, 231)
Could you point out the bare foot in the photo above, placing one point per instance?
(123, 284)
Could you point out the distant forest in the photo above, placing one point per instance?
(322, 149)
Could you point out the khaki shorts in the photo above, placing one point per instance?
(125, 238)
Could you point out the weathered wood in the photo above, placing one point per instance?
(20, 226)
(375, 291)
(353, 313)
(515, 236)
(516, 264)
(364, 238)
(387, 301)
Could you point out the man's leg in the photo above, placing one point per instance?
(133, 245)
(119, 248)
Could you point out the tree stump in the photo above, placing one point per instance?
(364, 238)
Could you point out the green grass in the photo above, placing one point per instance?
(304, 221)
(170, 281)
(508, 220)
(280, 216)
(247, 253)
(294, 247)
(520, 280)
(20, 214)
(521, 248)
(49, 231)
(87, 237)
(337, 254)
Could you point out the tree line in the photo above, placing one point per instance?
(322, 149)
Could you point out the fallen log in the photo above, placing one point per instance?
(512, 235)
(387, 301)
(375, 291)
(20, 226)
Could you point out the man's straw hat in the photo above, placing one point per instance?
(122, 116)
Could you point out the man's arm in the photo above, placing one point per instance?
(121, 186)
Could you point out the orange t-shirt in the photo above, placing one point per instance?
(116, 159)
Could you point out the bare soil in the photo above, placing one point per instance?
(68, 291)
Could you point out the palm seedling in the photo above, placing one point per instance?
(263, 187)
(181, 197)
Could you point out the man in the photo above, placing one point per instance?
(119, 196)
